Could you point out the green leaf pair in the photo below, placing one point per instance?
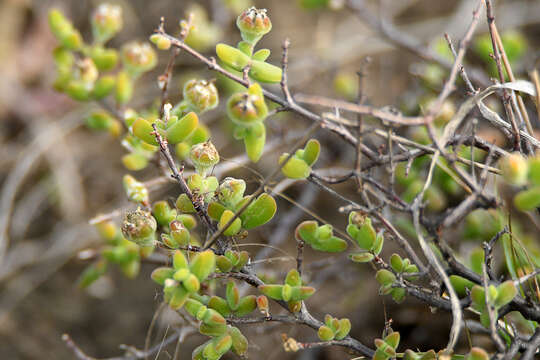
(334, 328)
(299, 165)
(401, 265)
(292, 291)
(320, 238)
(232, 261)
(214, 325)
(387, 279)
(231, 199)
(184, 279)
(233, 304)
(361, 230)
(497, 297)
(239, 58)
(386, 348)
(175, 131)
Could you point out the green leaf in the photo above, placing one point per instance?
(396, 262)
(265, 72)
(344, 328)
(505, 293)
(478, 298)
(220, 305)
(261, 55)
(293, 278)
(92, 273)
(143, 130)
(232, 56)
(294, 168)
(179, 260)
(311, 151)
(392, 340)
(232, 295)
(182, 128)
(362, 257)
(232, 229)
(385, 277)
(333, 244)
(259, 212)
(299, 293)
(134, 161)
(203, 264)
(124, 88)
(325, 333)
(272, 291)
(254, 140)
(178, 297)
(527, 200)
(212, 330)
(246, 305)
(191, 283)
(239, 341)
(103, 86)
(307, 231)
(160, 274)
(223, 263)
(184, 204)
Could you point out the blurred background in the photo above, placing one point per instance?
(56, 174)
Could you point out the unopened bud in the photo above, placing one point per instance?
(204, 156)
(201, 95)
(231, 191)
(139, 226)
(253, 24)
(106, 21)
(138, 57)
(135, 190)
(247, 108)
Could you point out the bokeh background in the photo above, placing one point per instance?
(55, 174)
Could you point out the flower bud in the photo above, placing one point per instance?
(514, 169)
(106, 21)
(138, 57)
(139, 226)
(248, 108)
(253, 24)
(201, 95)
(136, 191)
(204, 156)
(231, 191)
